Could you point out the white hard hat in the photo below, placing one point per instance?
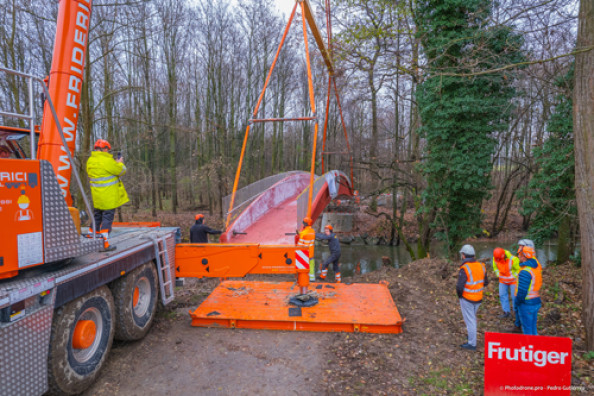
(526, 242)
(467, 250)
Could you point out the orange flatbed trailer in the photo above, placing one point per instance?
(342, 307)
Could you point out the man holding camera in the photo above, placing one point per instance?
(106, 188)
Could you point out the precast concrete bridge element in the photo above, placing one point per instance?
(271, 210)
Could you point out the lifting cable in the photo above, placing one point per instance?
(332, 81)
(313, 111)
(247, 130)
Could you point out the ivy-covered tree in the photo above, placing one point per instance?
(550, 195)
(462, 104)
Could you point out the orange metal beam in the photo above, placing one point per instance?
(315, 31)
(148, 224)
(213, 260)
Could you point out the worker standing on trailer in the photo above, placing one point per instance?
(472, 280)
(307, 237)
(506, 267)
(334, 246)
(199, 231)
(107, 189)
(528, 300)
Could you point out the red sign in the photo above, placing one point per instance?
(517, 364)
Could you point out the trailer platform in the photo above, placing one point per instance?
(358, 307)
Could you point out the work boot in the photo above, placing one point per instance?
(90, 234)
(468, 346)
(109, 248)
(323, 275)
(504, 315)
(514, 329)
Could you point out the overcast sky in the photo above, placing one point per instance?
(285, 6)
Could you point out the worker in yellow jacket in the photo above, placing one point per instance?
(107, 189)
(506, 266)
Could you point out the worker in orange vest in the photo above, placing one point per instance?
(506, 267)
(472, 279)
(528, 300)
(529, 243)
(307, 238)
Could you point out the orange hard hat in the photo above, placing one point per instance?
(528, 252)
(329, 227)
(102, 143)
(499, 254)
(199, 216)
(307, 220)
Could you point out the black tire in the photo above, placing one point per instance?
(70, 370)
(133, 321)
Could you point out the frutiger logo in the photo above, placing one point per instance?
(539, 358)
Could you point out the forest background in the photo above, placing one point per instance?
(448, 104)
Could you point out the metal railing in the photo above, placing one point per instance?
(246, 195)
(304, 196)
(31, 119)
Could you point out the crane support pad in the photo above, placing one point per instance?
(365, 308)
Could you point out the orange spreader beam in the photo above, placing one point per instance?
(221, 260)
(365, 308)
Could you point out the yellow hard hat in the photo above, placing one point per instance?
(23, 199)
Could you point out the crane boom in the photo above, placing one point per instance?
(65, 87)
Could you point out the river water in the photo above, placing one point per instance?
(370, 257)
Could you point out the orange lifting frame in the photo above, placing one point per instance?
(307, 16)
(265, 305)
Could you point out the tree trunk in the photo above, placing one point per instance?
(583, 125)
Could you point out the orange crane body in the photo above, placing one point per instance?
(34, 231)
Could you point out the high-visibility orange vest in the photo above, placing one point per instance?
(307, 237)
(539, 267)
(535, 283)
(475, 280)
(505, 271)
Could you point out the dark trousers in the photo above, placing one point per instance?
(332, 259)
(104, 219)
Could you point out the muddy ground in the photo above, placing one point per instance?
(177, 359)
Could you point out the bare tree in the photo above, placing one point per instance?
(583, 122)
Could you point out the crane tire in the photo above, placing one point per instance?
(135, 296)
(72, 370)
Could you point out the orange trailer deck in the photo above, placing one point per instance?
(366, 308)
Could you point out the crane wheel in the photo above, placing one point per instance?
(135, 296)
(81, 338)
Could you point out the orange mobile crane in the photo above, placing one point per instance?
(62, 300)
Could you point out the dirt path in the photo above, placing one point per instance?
(177, 359)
